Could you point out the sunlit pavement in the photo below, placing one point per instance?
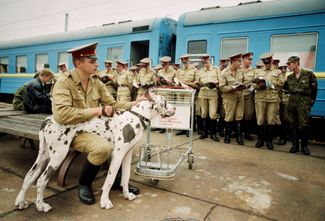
(227, 182)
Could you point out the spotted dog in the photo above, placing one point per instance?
(122, 131)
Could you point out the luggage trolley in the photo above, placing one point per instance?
(159, 161)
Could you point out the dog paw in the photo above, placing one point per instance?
(106, 204)
(129, 196)
(43, 207)
(21, 205)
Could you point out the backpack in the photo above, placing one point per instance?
(17, 102)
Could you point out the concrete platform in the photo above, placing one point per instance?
(227, 182)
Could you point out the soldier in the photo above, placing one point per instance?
(187, 76)
(109, 78)
(275, 63)
(124, 81)
(249, 106)
(62, 68)
(267, 82)
(207, 80)
(78, 97)
(176, 66)
(231, 83)
(157, 68)
(166, 75)
(167, 72)
(284, 98)
(146, 77)
(223, 63)
(302, 86)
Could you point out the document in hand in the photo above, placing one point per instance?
(238, 85)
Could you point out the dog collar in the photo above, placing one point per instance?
(142, 118)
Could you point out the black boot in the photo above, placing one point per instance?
(304, 143)
(221, 125)
(205, 123)
(213, 128)
(227, 131)
(199, 125)
(283, 134)
(248, 130)
(260, 135)
(117, 184)
(88, 174)
(269, 140)
(295, 141)
(239, 137)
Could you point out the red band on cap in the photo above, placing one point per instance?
(83, 53)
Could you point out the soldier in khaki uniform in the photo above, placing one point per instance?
(146, 77)
(302, 86)
(231, 83)
(207, 80)
(124, 81)
(284, 99)
(62, 68)
(259, 64)
(223, 63)
(167, 72)
(249, 105)
(109, 78)
(267, 82)
(186, 75)
(79, 96)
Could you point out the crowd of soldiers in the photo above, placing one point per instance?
(233, 98)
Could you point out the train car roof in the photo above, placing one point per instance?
(251, 11)
(111, 29)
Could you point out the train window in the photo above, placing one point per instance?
(302, 45)
(4, 61)
(230, 46)
(114, 54)
(63, 58)
(41, 59)
(140, 28)
(197, 47)
(21, 64)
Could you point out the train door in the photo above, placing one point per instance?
(139, 50)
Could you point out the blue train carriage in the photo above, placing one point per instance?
(127, 40)
(285, 27)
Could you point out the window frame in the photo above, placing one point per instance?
(298, 34)
(47, 54)
(17, 62)
(5, 57)
(113, 59)
(232, 38)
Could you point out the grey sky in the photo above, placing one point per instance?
(25, 18)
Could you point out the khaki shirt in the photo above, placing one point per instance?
(169, 74)
(146, 76)
(227, 80)
(125, 79)
(275, 77)
(110, 84)
(70, 104)
(187, 75)
(205, 75)
(248, 74)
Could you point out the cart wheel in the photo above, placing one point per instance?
(190, 161)
(154, 181)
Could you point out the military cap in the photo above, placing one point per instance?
(276, 60)
(61, 64)
(165, 59)
(176, 64)
(145, 60)
(157, 67)
(282, 65)
(224, 59)
(205, 56)
(108, 61)
(133, 68)
(266, 55)
(121, 62)
(293, 59)
(88, 50)
(248, 54)
(184, 56)
(46, 66)
(232, 57)
(139, 65)
(259, 63)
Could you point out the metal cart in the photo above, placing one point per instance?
(160, 161)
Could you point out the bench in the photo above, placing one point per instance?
(24, 125)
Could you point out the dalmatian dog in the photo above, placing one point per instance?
(122, 131)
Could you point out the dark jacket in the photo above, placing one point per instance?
(37, 97)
